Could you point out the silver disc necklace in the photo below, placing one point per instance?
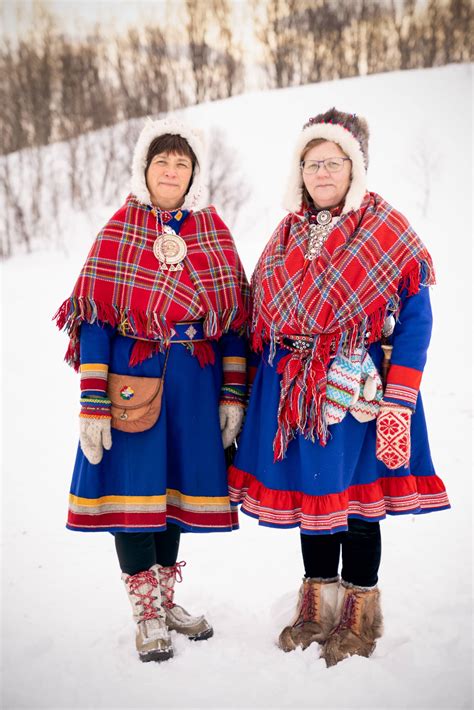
(169, 248)
(318, 233)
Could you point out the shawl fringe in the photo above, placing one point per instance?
(153, 328)
(144, 349)
(203, 351)
(303, 384)
(119, 285)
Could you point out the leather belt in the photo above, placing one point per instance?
(298, 343)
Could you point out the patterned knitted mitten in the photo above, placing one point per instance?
(95, 436)
(343, 385)
(371, 392)
(231, 417)
(393, 435)
(95, 427)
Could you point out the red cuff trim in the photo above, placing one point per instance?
(93, 384)
(403, 384)
(404, 376)
(400, 393)
(235, 378)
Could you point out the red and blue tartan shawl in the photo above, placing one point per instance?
(121, 284)
(341, 298)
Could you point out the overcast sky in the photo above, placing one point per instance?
(80, 16)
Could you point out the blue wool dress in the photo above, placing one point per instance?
(318, 488)
(175, 471)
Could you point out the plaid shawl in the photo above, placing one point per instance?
(341, 298)
(121, 284)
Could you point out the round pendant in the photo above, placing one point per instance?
(323, 217)
(170, 248)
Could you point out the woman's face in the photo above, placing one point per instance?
(327, 189)
(167, 179)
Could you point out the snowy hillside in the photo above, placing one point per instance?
(68, 637)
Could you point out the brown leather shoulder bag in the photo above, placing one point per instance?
(136, 401)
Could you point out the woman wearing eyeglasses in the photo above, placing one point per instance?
(335, 436)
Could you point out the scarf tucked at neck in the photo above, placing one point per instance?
(122, 285)
(341, 299)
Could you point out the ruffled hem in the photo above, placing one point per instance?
(329, 513)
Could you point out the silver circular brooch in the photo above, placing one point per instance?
(323, 217)
(169, 248)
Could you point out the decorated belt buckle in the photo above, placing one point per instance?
(299, 344)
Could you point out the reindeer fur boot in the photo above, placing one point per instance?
(360, 625)
(315, 614)
(152, 641)
(197, 628)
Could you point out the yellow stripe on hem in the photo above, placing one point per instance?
(148, 500)
(127, 500)
(198, 500)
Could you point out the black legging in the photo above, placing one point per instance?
(361, 549)
(140, 551)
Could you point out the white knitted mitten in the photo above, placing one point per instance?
(343, 384)
(230, 417)
(94, 435)
(371, 392)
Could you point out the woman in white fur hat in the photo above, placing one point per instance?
(326, 445)
(155, 323)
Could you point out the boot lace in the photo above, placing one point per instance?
(347, 620)
(308, 606)
(168, 575)
(146, 599)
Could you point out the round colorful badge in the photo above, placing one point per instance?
(127, 392)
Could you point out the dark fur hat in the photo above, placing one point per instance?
(357, 125)
(351, 133)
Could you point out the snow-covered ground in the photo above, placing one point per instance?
(67, 631)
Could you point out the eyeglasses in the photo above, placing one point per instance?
(332, 165)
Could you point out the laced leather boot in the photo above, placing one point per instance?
(152, 641)
(196, 628)
(360, 625)
(315, 614)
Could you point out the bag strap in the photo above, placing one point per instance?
(166, 363)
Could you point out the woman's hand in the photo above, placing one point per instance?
(95, 435)
(230, 417)
(393, 446)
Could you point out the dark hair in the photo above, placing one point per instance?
(170, 143)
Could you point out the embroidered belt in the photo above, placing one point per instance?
(189, 332)
(298, 343)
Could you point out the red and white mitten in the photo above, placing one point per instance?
(393, 446)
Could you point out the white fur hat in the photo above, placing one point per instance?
(154, 129)
(351, 133)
